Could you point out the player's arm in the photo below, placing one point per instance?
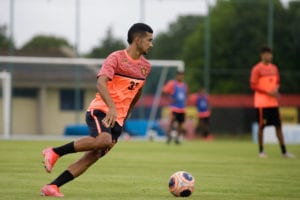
(111, 115)
(256, 88)
(134, 101)
(186, 92)
(254, 82)
(168, 90)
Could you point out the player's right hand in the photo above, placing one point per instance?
(274, 93)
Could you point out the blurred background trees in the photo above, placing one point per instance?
(106, 46)
(237, 30)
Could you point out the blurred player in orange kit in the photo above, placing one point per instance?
(119, 83)
(176, 90)
(265, 81)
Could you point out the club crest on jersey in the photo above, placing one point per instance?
(125, 60)
(143, 70)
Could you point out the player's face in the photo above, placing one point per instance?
(267, 57)
(180, 77)
(145, 43)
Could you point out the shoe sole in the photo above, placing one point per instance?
(44, 163)
(44, 195)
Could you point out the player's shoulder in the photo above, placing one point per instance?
(145, 62)
(117, 54)
(273, 65)
(171, 82)
(257, 65)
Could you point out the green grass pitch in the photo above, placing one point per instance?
(139, 170)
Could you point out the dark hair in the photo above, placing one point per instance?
(265, 49)
(138, 28)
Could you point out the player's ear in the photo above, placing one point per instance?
(137, 39)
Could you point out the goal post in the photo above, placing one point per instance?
(6, 98)
(47, 65)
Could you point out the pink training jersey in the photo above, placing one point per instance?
(127, 76)
(265, 78)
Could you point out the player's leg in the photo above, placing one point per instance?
(52, 189)
(170, 128)
(89, 158)
(73, 171)
(80, 166)
(280, 138)
(89, 143)
(206, 126)
(261, 123)
(261, 139)
(206, 129)
(276, 121)
(180, 118)
(83, 144)
(198, 129)
(77, 168)
(179, 132)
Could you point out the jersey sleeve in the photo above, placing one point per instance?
(109, 67)
(254, 80)
(187, 89)
(278, 76)
(254, 76)
(169, 87)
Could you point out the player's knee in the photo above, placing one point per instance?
(103, 141)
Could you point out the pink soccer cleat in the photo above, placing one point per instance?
(51, 190)
(50, 158)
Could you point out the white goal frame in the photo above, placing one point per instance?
(6, 104)
(88, 62)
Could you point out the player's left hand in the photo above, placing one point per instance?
(110, 118)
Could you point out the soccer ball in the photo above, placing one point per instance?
(181, 184)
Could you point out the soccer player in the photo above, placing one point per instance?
(265, 81)
(202, 105)
(176, 90)
(119, 83)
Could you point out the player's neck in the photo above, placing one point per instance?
(133, 53)
(265, 62)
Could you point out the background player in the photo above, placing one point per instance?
(202, 105)
(176, 90)
(119, 83)
(264, 81)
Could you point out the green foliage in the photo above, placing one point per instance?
(287, 46)
(236, 34)
(170, 45)
(5, 42)
(44, 42)
(237, 30)
(140, 170)
(107, 45)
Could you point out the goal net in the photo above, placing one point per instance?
(43, 96)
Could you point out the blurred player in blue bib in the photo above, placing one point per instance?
(203, 108)
(176, 90)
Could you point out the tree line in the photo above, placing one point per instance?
(237, 30)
